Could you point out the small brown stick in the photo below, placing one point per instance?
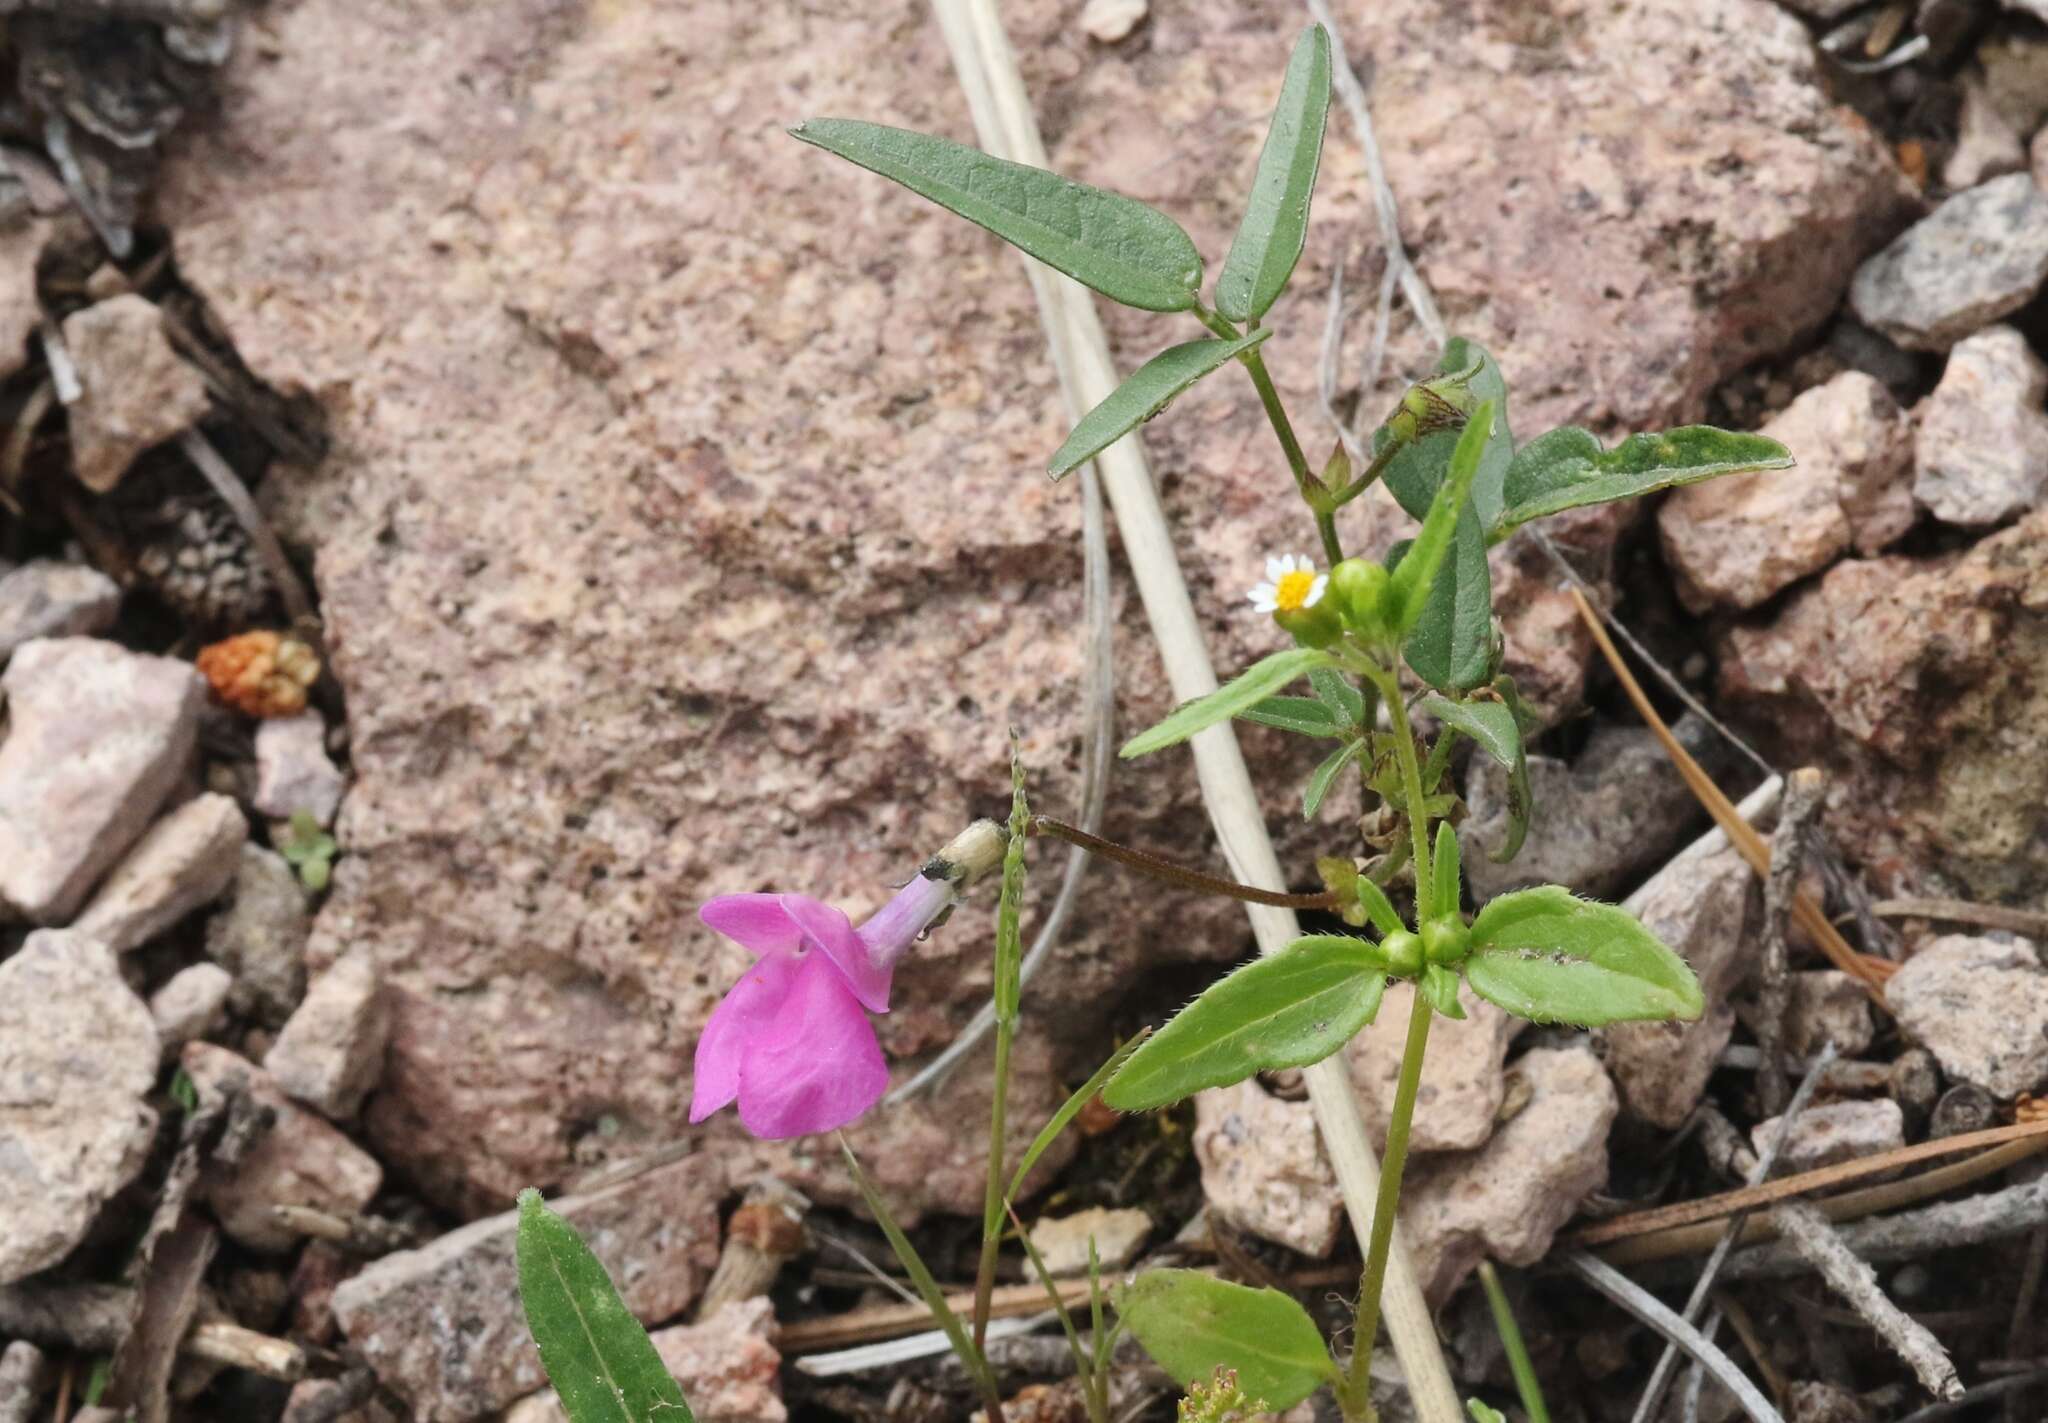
(889, 1321)
(239, 1348)
(366, 1235)
(1160, 867)
(1973, 1220)
(298, 604)
(764, 1234)
(1807, 1231)
(2023, 1139)
(2028, 923)
(1871, 972)
(1752, 1340)
(1788, 857)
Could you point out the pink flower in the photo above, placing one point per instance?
(792, 1042)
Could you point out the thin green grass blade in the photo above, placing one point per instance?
(1071, 1108)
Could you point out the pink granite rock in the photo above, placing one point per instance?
(685, 534)
(1914, 682)
(138, 391)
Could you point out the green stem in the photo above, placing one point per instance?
(1511, 1341)
(1357, 1387)
(992, 1205)
(1313, 492)
(1411, 778)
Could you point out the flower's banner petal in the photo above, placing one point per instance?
(1250, 687)
(1494, 726)
(1548, 956)
(818, 1065)
(1275, 227)
(1287, 1010)
(1127, 251)
(1193, 1324)
(729, 1034)
(1566, 468)
(1144, 393)
(601, 1362)
(829, 929)
(756, 922)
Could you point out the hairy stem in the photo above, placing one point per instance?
(992, 1207)
(1161, 868)
(1389, 687)
(1357, 1388)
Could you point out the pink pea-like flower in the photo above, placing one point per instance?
(792, 1042)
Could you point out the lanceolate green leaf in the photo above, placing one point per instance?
(1127, 251)
(1440, 591)
(596, 1354)
(1325, 776)
(1545, 955)
(1192, 1324)
(1335, 691)
(1567, 468)
(1149, 390)
(1440, 986)
(1269, 240)
(1289, 1010)
(1250, 687)
(1493, 726)
(1305, 715)
(1446, 871)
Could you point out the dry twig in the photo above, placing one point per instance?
(2028, 923)
(1808, 1232)
(1994, 1215)
(1653, 1312)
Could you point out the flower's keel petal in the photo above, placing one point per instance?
(818, 1066)
(827, 928)
(734, 1025)
(756, 922)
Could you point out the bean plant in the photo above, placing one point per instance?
(1391, 663)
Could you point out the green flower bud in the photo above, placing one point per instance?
(1446, 940)
(1358, 587)
(1317, 625)
(1404, 953)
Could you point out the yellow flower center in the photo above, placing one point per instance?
(1291, 592)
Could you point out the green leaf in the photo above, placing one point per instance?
(1301, 714)
(1377, 906)
(1289, 1010)
(1324, 776)
(1545, 955)
(1483, 1414)
(1192, 1324)
(1446, 872)
(1146, 392)
(596, 1354)
(1071, 1109)
(1497, 731)
(1567, 468)
(1127, 251)
(1453, 641)
(1440, 986)
(1275, 227)
(1335, 691)
(1250, 687)
(1416, 472)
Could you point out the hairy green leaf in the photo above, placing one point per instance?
(596, 1354)
(1275, 227)
(1193, 1324)
(1446, 872)
(1289, 1010)
(1416, 472)
(1146, 392)
(1440, 986)
(1377, 906)
(1566, 468)
(1494, 727)
(1250, 687)
(1305, 715)
(1548, 956)
(1453, 642)
(1324, 776)
(1127, 251)
(1335, 691)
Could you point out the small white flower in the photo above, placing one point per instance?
(1291, 583)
